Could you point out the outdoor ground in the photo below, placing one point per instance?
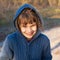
(54, 36)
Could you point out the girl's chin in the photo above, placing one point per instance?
(29, 37)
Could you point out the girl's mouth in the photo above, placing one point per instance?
(30, 33)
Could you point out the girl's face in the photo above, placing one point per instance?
(28, 30)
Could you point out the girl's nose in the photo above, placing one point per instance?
(28, 29)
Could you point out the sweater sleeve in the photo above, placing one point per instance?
(6, 51)
(47, 51)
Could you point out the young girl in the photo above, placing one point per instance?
(27, 43)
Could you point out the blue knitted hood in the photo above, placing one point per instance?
(21, 8)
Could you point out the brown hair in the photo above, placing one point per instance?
(29, 16)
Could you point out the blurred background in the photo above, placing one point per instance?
(50, 11)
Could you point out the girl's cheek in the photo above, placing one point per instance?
(23, 29)
(34, 28)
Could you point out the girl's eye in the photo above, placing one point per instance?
(24, 25)
(33, 25)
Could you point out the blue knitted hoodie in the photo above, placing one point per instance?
(16, 46)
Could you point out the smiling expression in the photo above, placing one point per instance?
(29, 30)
